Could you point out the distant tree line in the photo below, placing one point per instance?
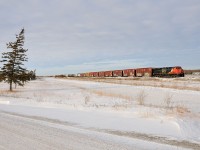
(191, 71)
(13, 70)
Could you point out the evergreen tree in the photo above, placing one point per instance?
(32, 75)
(13, 71)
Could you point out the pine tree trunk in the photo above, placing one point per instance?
(10, 85)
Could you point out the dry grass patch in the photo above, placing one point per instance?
(109, 94)
(4, 92)
(181, 110)
(7, 93)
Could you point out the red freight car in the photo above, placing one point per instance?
(147, 72)
(82, 75)
(86, 74)
(108, 74)
(117, 73)
(129, 73)
(91, 74)
(95, 74)
(101, 74)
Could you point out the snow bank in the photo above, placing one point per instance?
(109, 106)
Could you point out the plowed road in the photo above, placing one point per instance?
(23, 133)
(19, 132)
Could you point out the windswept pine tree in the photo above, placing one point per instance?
(13, 70)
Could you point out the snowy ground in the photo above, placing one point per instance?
(160, 111)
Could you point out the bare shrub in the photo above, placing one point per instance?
(118, 106)
(141, 97)
(146, 114)
(97, 106)
(168, 100)
(87, 99)
(175, 85)
(162, 85)
(38, 97)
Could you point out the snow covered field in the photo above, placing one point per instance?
(161, 111)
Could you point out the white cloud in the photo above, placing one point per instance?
(63, 33)
(95, 66)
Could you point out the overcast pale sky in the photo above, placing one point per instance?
(72, 36)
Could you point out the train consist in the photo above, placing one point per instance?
(176, 71)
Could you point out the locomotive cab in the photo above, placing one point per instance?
(177, 71)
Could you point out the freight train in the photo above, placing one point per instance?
(176, 71)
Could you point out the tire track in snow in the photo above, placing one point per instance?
(22, 132)
(157, 139)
